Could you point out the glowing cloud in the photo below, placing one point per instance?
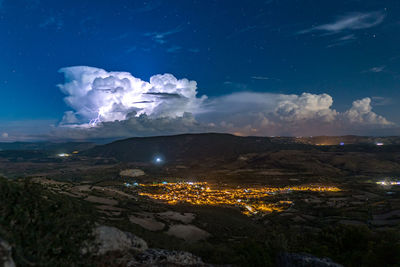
(120, 105)
(100, 96)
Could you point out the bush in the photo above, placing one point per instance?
(44, 228)
(357, 246)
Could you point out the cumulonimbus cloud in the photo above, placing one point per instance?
(116, 104)
(96, 95)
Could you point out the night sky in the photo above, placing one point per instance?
(260, 68)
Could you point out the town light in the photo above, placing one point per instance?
(250, 200)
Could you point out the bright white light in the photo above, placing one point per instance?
(388, 183)
(379, 144)
(158, 160)
(63, 155)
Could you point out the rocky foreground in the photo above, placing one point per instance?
(52, 223)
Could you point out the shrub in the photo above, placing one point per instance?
(44, 228)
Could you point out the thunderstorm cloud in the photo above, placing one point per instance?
(117, 104)
(96, 95)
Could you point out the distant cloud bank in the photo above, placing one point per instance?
(116, 105)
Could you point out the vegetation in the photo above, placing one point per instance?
(44, 228)
(357, 246)
(345, 244)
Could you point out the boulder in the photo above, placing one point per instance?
(162, 257)
(176, 216)
(6, 259)
(188, 232)
(150, 224)
(304, 260)
(131, 173)
(109, 238)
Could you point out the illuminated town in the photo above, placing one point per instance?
(250, 200)
(388, 183)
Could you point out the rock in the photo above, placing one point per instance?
(298, 219)
(102, 200)
(176, 216)
(304, 260)
(112, 239)
(150, 224)
(162, 257)
(189, 233)
(6, 259)
(131, 173)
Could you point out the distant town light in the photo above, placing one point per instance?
(341, 143)
(63, 155)
(379, 144)
(384, 183)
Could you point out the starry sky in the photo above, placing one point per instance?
(252, 67)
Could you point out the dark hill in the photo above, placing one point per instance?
(182, 147)
(225, 151)
(189, 147)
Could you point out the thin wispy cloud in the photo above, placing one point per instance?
(52, 21)
(174, 48)
(194, 50)
(342, 41)
(236, 85)
(348, 22)
(246, 29)
(264, 78)
(131, 49)
(148, 7)
(377, 69)
(121, 36)
(347, 37)
(260, 78)
(160, 37)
